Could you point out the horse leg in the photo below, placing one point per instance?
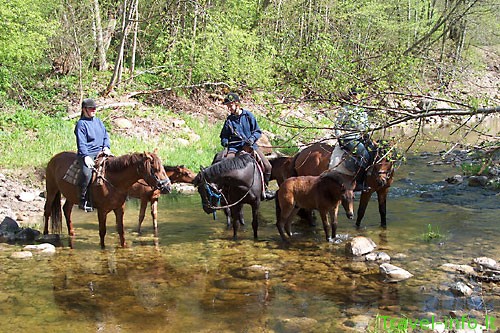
(255, 218)
(119, 225)
(235, 214)
(142, 213)
(382, 201)
(67, 208)
(227, 212)
(154, 215)
(363, 203)
(326, 224)
(101, 216)
(334, 220)
(288, 225)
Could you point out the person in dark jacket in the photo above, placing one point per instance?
(241, 132)
(91, 139)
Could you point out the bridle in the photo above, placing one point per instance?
(215, 193)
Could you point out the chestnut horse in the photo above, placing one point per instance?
(324, 193)
(232, 183)
(109, 192)
(144, 192)
(315, 159)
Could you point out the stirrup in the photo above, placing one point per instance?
(85, 207)
(269, 195)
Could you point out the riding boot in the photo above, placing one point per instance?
(268, 194)
(85, 205)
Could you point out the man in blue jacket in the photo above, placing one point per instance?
(241, 132)
(91, 139)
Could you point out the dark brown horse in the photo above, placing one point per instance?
(231, 183)
(141, 190)
(315, 159)
(109, 192)
(324, 193)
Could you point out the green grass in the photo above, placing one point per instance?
(30, 139)
(432, 233)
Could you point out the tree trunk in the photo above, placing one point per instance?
(134, 41)
(101, 52)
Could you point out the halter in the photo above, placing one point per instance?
(214, 192)
(159, 183)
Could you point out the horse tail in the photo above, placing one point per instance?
(56, 214)
(278, 208)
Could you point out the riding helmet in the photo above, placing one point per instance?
(230, 98)
(89, 103)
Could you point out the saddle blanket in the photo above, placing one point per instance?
(73, 174)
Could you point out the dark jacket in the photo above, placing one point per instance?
(91, 136)
(240, 130)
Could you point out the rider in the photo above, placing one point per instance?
(240, 133)
(351, 131)
(91, 139)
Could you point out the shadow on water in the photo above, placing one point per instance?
(194, 278)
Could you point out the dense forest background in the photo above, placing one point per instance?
(302, 48)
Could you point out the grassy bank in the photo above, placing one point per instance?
(30, 138)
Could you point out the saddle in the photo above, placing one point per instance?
(74, 171)
(352, 156)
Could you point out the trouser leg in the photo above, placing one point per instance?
(85, 179)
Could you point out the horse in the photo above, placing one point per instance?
(235, 181)
(146, 193)
(282, 168)
(108, 192)
(315, 159)
(324, 193)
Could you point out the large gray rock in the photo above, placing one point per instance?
(359, 246)
(9, 224)
(393, 273)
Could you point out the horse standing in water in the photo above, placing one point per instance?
(324, 193)
(109, 191)
(315, 159)
(146, 193)
(232, 183)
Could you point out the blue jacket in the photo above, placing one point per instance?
(91, 136)
(240, 130)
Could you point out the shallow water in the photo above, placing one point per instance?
(195, 278)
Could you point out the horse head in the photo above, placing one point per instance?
(209, 192)
(152, 171)
(179, 174)
(347, 196)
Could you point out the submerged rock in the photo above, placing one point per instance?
(461, 289)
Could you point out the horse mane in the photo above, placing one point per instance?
(228, 164)
(124, 161)
(334, 175)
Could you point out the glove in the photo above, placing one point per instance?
(106, 151)
(89, 162)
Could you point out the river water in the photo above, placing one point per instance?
(195, 278)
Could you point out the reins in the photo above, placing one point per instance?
(217, 194)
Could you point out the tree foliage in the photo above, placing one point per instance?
(303, 47)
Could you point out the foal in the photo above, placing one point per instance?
(324, 193)
(144, 192)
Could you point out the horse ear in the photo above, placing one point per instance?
(155, 151)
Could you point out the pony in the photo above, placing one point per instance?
(108, 191)
(315, 159)
(147, 194)
(324, 193)
(233, 183)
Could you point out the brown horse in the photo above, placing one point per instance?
(324, 193)
(315, 159)
(109, 192)
(144, 192)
